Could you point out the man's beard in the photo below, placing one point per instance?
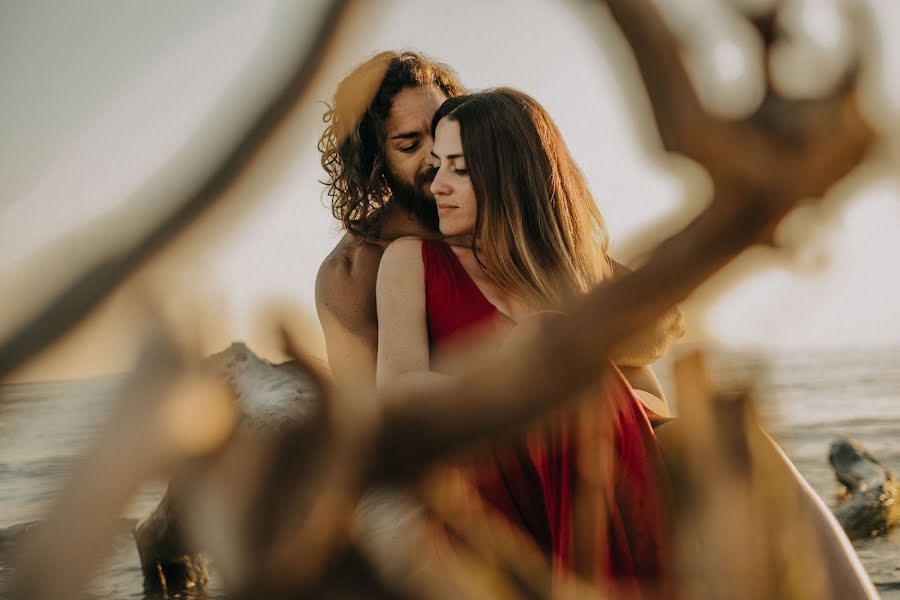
(414, 201)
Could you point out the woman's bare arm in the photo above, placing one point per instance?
(403, 354)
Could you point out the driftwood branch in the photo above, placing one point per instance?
(145, 435)
(786, 151)
(88, 289)
(292, 525)
(762, 168)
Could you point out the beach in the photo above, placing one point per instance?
(807, 399)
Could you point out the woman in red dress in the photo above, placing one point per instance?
(585, 486)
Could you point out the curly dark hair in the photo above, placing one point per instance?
(353, 144)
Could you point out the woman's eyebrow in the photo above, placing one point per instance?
(448, 157)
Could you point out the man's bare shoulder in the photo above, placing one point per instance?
(353, 257)
(347, 275)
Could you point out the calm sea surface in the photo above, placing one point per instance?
(808, 399)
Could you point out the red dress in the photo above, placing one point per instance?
(542, 482)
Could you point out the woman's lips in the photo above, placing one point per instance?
(445, 208)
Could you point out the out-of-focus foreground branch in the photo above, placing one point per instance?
(761, 170)
(88, 289)
(762, 167)
(289, 532)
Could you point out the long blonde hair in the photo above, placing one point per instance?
(538, 232)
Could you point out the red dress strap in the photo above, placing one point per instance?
(453, 303)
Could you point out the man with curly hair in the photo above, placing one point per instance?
(375, 152)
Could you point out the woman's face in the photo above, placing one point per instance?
(452, 187)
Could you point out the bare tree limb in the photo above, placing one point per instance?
(762, 167)
(294, 518)
(91, 287)
(676, 107)
(786, 151)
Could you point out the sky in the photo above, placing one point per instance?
(98, 98)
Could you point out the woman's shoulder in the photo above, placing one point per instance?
(403, 248)
(402, 257)
(411, 248)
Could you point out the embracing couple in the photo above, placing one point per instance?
(463, 213)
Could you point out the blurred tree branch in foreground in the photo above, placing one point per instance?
(276, 511)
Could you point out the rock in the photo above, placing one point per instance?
(870, 503)
(270, 397)
(169, 564)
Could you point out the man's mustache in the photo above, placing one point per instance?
(425, 177)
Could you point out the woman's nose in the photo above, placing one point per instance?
(439, 186)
